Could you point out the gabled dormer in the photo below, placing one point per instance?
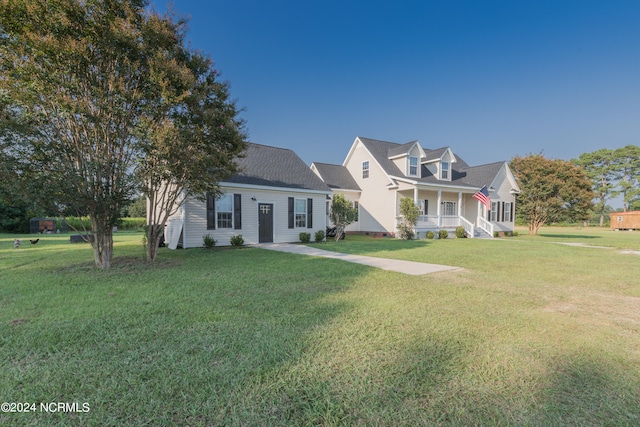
(407, 158)
(440, 163)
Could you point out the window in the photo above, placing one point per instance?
(413, 166)
(449, 209)
(365, 169)
(445, 170)
(225, 211)
(301, 212)
(494, 212)
(507, 212)
(619, 219)
(425, 207)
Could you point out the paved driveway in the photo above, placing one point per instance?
(401, 266)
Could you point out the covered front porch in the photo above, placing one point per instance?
(446, 210)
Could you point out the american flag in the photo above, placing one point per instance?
(483, 196)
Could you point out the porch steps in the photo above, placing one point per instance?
(479, 233)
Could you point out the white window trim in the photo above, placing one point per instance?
(365, 171)
(494, 212)
(416, 166)
(507, 212)
(296, 213)
(220, 211)
(447, 171)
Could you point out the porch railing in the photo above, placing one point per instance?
(485, 225)
(468, 227)
(434, 221)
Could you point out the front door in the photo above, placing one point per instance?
(265, 222)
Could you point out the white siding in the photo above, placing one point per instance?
(196, 217)
(502, 193)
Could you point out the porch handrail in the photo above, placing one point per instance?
(468, 226)
(485, 225)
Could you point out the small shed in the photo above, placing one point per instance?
(625, 220)
(42, 225)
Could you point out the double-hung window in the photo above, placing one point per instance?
(301, 212)
(493, 217)
(449, 209)
(365, 169)
(413, 166)
(507, 212)
(445, 170)
(225, 211)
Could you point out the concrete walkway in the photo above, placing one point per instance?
(401, 266)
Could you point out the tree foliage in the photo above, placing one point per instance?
(98, 96)
(551, 191)
(410, 213)
(342, 214)
(599, 166)
(613, 172)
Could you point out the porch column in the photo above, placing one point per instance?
(480, 210)
(439, 207)
(459, 203)
(415, 196)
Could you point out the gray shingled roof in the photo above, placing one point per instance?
(275, 167)
(336, 176)
(462, 173)
(400, 149)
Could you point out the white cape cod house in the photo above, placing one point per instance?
(375, 175)
(273, 198)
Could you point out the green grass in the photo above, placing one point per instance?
(529, 332)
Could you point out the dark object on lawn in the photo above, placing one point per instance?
(16, 243)
(81, 238)
(33, 242)
(331, 232)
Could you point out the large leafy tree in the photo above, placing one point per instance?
(90, 93)
(600, 168)
(193, 137)
(552, 190)
(627, 168)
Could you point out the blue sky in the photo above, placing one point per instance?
(490, 79)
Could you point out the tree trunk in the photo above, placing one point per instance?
(154, 234)
(102, 242)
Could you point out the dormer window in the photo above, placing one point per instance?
(445, 170)
(413, 166)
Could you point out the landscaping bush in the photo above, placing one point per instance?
(405, 232)
(496, 234)
(430, 235)
(236, 240)
(208, 241)
(461, 233)
(443, 234)
(515, 234)
(305, 237)
(319, 236)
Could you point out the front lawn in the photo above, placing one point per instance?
(528, 333)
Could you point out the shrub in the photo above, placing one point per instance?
(405, 231)
(236, 240)
(496, 234)
(515, 234)
(461, 232)
(208, 241)
(430, 235)
(319, 236)
(305, 237)
(443, 234)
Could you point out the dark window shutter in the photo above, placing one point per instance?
(513, 216)
(426, 207)
(498, 212)
(237, 211)
(502, 211)
(309, 213)
(291, 215)
(211, 212)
